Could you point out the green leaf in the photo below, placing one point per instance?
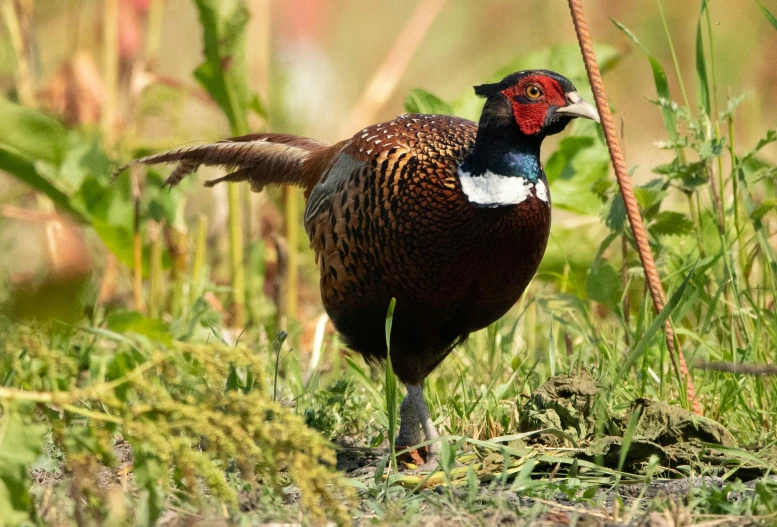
(659, 80)
(701, 65)
(421, 101)
(615, 214)
(603, 284)
(574, 170)
(25, 171)
(117, 239)
(763, 208)
(84, 159)
(131, 321)
(224, 72)
(31, 134)
(670, 223)
(20, 446)
(769, 16)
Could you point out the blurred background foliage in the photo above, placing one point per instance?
(317, 68)
(114, 271)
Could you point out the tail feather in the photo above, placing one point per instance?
(260, 159)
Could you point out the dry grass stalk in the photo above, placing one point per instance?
(385, 79)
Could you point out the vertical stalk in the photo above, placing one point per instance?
(674, 55)
(156, 296)
(14, 14)
(154, 32)
(180, 249)
(531, 327)
(137, 245)
(198, 264)
(110, 69)
(625, 275)
(291, 205)
(236, 254)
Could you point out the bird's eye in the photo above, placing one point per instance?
(533, 91)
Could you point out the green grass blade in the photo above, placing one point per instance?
(391, 388)
(659, 79)
(768, 14)
(701, 65)
(657, 324)
(628, 436)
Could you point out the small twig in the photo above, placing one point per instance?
(744, 369)
(627, 192)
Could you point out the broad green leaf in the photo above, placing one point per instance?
(24, 170)
(701, 65)
(83, 159)
(604, 284)
(769, 16)
(574, 169)
(615, 214)
(117, 239)
(670, 223)
(420, 101)
(20, 446)
(132, 321)
(224, 72)
(659, 80)
(31, 134)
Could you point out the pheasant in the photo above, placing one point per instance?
(449, 217)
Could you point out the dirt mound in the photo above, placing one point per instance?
(676, 436)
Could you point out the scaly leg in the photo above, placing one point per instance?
(409, 424)
(415, 392)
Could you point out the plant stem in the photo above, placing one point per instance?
(236, 255)
(156, 296)
(198, 264)
(674, 55)
(25, 82)
(180, 250)
(154, 32)
(291, 205)
(137, 246)
(110, 69)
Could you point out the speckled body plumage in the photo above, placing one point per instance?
(398, 225)
(448, 217)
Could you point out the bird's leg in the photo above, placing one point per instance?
(409, 425)
(415, 392)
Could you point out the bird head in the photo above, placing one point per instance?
(539, 102)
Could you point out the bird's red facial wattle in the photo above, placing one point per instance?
(531, 98)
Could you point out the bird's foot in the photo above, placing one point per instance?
(430, 463)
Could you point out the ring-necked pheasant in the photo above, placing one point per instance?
(449, 217)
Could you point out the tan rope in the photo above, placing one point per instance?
(632, 208)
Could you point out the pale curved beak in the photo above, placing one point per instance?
(578, 107)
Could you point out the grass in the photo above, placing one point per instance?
(232, 425)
